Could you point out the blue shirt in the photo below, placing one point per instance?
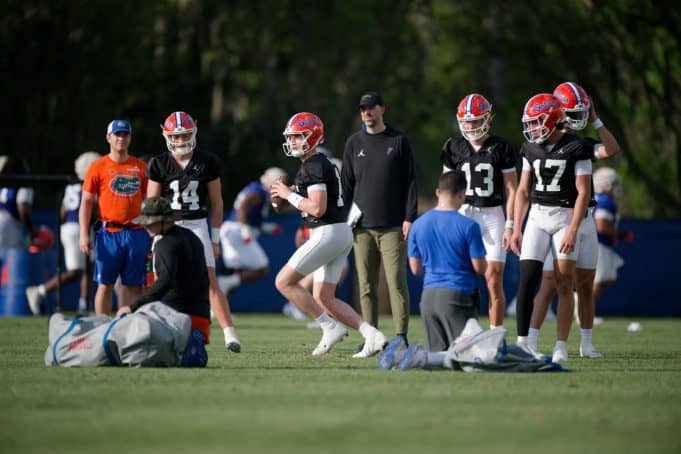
(445, 242)
(606, 208)
(255, 213)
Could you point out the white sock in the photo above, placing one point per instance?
(521, 340)
(493, 326)
(41, 290)
(586, 336)
(325, 321)
(82, 304)
(230, 335)
(560, 345)
(365, 329)
(533, 337)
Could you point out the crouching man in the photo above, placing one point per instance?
(179, 264)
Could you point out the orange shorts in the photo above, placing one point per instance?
(203, 325)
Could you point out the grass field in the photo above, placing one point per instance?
(274, 397)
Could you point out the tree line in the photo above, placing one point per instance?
(241, 68)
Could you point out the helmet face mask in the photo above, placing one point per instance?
(575, 103)
(303, 132)
(474, 116)
(179, 132)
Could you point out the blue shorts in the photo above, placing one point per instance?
(121, 253)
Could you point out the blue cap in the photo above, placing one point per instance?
(118, 126)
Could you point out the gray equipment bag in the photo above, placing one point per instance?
(478, 350)
(154, 336)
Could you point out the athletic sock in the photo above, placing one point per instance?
(41, 290)
(533, 337)
(325, 322)
(560, 345)
(586, 336)
(521, 340)
(365, 329)
(230, 334)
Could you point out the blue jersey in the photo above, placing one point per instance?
(71, 201)
(606, 209)
(255, 213)
(445, 242)
(10, 198)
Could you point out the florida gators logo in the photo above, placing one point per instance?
(125, 185)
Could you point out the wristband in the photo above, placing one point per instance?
(509, 223)
(215, 234)
(597, 123)
(294, 199)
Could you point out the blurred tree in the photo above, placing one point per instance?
(241, 68)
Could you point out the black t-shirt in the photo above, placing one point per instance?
(483, 168)
(553, 172)
(317, 169)
(380, 177)
(182, 277)
(187, 189)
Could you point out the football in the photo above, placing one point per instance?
(278, 203)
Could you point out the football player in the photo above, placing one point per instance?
(74, 260)
(242, 255)
(190, 179)
(317, 194)
(579, 110)
(556, 179)
(488, 162)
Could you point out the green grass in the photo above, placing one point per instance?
(274, 397)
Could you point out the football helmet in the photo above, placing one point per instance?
(309, 127)
(179, 130)
(541, 115)
(575, 103)
(605, 179)
(83, 163)
(42, 241)
(474, 108)
(271, 175)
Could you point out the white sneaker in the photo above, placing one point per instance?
(34, 298)
(373, 344)
(588, 351)
(560, 355)
(330, 338)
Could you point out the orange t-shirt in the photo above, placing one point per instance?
(119, 186)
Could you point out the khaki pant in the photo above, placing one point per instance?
(388, 246)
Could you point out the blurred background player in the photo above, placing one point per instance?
(74, 259)
(190, 179)
(579, 111)
(489, 165)
(242, 255)
(606, 184)
(117, 182)
(319, 198)
(16, 223)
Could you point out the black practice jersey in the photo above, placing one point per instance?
(318, 170)
(483, 168)
(187, 189)
(553, 172)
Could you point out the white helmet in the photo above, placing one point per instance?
(83, 163)
(271, 175)
(605, 179)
